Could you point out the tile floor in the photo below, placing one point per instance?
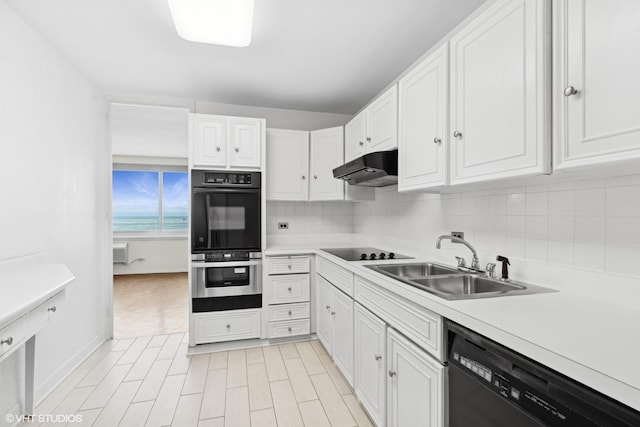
(150, 381)
(150, 304)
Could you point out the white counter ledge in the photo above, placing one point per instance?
(23, 289)
(590, 341)
(31, 294)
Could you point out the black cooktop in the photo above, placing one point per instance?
(363, 254)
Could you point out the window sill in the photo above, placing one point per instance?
(149, 236)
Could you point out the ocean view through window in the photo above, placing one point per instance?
(150, 201)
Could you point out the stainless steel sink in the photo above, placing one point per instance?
(451, 284)
(413, 270)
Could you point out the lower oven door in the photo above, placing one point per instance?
(222, 279)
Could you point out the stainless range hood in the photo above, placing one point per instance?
(377, 169)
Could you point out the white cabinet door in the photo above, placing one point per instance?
(370, 363)
(382, 121)
(244, 142)
(287, 164)
(208, 136)
(412, 372)
(597, 46)
(423, 136)
(355, 137)
(327, 147)
(342, 351)
(323, 312)
(499, 93)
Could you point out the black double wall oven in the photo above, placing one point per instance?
(226, 268)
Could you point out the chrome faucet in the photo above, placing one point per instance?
(475, 263)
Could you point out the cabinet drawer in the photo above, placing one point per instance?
(288, 311)
(417, 323)
(288, 288)
(288, 265)
(14, 334)
(336, 275)
(46, 311)
(226, 325)
(289, 328)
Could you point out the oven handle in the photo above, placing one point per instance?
(198, 190)
(225, 264)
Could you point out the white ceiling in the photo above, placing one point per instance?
(316, 55)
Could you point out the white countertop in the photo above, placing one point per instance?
(25, 288)
(593, 342)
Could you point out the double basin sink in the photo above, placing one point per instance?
(452, 284)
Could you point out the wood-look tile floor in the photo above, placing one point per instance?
(150, 381)
(150, 304)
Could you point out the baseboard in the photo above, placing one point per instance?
(56, 378)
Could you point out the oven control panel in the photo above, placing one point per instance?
(224, 256)
(227, 178)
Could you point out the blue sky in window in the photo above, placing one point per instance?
(175, 196)
(135, 193)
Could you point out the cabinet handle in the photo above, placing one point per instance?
(315, 176)
(228, 326)
(52, 309)
(392, 373)
(368, 139)
(361, 143)
(570, 90)
(8, 341)
(437, 140)
(328, 307)
(378, 357)
(289, 266)
(457, 134)
(217, 148)
(304, 177)
(333, 313)
(289, 288)
(289, 329)
(237, 149)
(290, 313)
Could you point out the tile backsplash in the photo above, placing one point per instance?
(590, 224)
(309, 217)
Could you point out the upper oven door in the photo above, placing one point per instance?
(225, 219)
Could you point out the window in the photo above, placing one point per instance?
(147, 201)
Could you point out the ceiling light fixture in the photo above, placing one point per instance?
(223, 22)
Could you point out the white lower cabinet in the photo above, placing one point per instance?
(335, 325)
(287, 293)
(415, 385)
(370, 362)
(226, 325)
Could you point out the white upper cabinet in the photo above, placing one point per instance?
(375, 128)
(226, 142)
(327, 147)
(355, 137)
(422, 123)
(244, 137)
(208, 136)
(287, 164)
(596, 88)
(382, 121)
(500, 86)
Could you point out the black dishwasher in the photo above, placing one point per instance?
(493, 386)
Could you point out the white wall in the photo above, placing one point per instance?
(168, 255)
(53, 170)
(567, 230)
(277, 118)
